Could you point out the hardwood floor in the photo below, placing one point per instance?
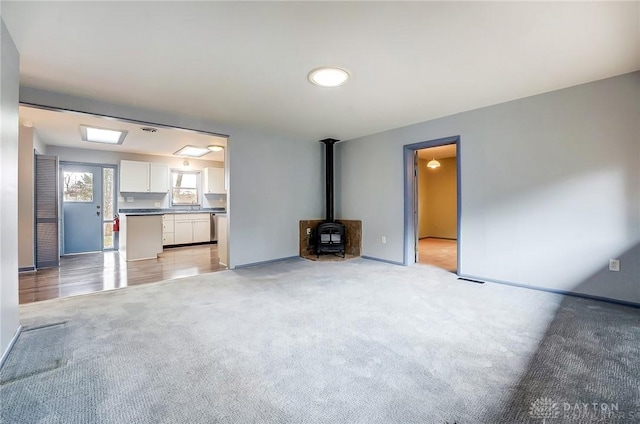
(438, 252)
(93, 272)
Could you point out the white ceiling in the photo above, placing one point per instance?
(63, 129)
(246, 63)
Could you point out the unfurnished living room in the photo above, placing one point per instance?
(319, 212)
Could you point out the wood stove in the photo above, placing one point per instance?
(330, 235)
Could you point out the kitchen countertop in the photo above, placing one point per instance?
(158, 211)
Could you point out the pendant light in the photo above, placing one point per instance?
(433, 164)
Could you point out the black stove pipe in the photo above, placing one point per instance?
(329, 142)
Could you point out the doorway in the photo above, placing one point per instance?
(88, 204)
(436, 197)
(432, 203)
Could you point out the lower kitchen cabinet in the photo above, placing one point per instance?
(168, 230)
(192, 228)
(202, 230)
(183, 232)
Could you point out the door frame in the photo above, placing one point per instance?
(102, 166)
(410, 224)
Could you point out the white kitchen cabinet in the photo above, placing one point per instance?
(134, 176)
(168, 230)
(143, 177)
(201, 230)
(158, 178)
(192, 228)
(183, 232)
(214, 181)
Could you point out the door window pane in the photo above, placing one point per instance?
(108, 235)
(78, 186)
(107, 183)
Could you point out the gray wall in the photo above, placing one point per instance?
(550, 188)
(9, 79)
(275, 181)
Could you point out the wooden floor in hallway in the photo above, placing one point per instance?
(442, 253)
(93, 272)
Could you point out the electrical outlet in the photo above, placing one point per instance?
(614, 264)
(129, 199)
(156, 204)
(308, 231)
(384, 239)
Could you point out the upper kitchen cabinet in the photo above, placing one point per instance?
(143, 177)
(158, 178)
(214, 181)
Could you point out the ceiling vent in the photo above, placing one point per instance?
(149, 129)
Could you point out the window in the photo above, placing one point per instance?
(78, 186)
(185, 189)
(108, 198)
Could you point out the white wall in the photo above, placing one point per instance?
(141, 200)
(9, 78)
(38, 145)
(275, 181)
(550, 188)
(25, 198)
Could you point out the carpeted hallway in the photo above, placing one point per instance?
(336, 342)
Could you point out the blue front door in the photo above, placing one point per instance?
(82, 208)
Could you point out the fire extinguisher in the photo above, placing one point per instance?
(116, 224)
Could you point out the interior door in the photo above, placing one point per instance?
(82, 208)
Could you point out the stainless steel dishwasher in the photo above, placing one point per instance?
(214, 227)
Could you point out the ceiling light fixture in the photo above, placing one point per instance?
(329, 76)
(192, 151)
(215, 148)
(102, 135)
(433, 164)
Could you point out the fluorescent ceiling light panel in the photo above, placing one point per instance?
(328, 76)
(192, 151)
(102, 135)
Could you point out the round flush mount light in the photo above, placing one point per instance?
(329, 76)
(215, 148)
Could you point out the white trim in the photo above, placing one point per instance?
(5, 355)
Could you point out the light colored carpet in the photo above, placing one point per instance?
(308, 342)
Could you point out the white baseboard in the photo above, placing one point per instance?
(11, 343)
